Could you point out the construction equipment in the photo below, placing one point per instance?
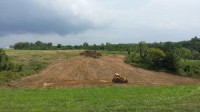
(119, 79)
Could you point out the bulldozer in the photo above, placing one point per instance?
(119, 79)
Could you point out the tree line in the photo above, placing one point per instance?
(193, 45)
(49, 46)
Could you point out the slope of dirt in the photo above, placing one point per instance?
(85, 71)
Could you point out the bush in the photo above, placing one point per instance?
(189, 68)
(171, 62)
(133, 58)
(4, 62)
(155, 58)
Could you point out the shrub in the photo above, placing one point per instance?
(5, 64)
(155, 57)
(171, 62)
(133, 58)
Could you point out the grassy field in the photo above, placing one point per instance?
(32, 61)
(48, 56)
(121, 99)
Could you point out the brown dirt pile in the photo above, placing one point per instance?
(85, 71)
(92, 54)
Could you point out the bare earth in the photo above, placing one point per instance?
(85, 71)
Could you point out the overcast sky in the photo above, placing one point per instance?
(98, 21)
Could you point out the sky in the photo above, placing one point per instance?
(72, 22)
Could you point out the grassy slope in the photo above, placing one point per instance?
(48, 56)
(33, 61)
(175, 98)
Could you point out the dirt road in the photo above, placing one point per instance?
(85, 71)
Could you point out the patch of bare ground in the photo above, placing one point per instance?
(86, 71)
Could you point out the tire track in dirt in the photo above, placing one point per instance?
(85, 71)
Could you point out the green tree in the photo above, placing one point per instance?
(85, 45)
(134, 57)
(169, 46)
(94, 47)
(49, 45)
(196, 55)
(108, 46)
(155, 57)
(102, 46)
(195, 43)
(59, 46)
(171, 62)
(142, 47)
(40, 46)
(183, 53)
(22, 45)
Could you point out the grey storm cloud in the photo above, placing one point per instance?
(31, 16)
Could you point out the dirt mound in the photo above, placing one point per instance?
(92, 54)
(84, 71)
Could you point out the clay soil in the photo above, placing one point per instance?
(86, 71)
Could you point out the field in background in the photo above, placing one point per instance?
(160, 99)
(114, 52)
(32, 61)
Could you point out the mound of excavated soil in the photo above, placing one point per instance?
(92, 54)
(85, 71)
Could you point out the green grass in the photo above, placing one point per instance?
(114, 52)
(32, 61)
(118, 99)
(26, 56)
